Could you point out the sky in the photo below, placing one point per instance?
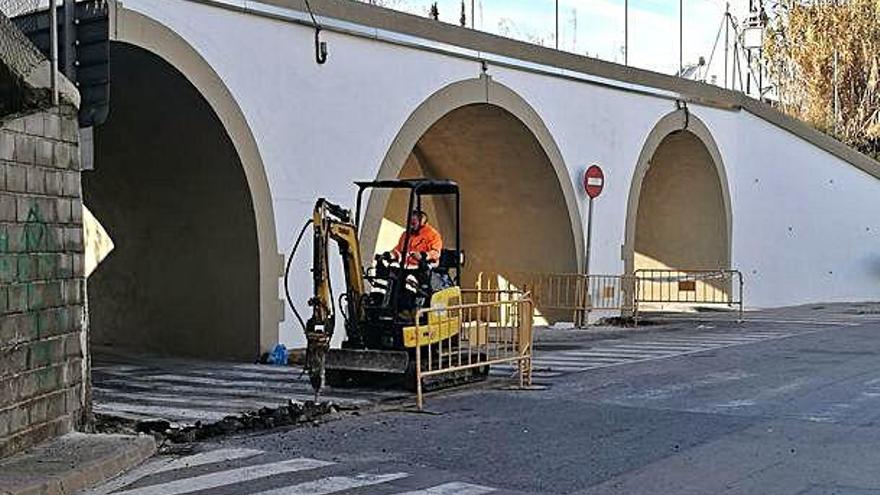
(593, 27)
(596, 27)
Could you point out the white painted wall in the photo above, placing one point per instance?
(318, 128)
(806, 225)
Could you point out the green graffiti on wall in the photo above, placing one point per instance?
(34, 230)
(22, 260)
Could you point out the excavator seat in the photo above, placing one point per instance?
(440, 278)
(448, 260)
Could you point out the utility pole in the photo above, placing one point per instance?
(53, 50)
(749, 73)
(749, 54)
(762, 17)
(680, 37)
(737, 65)
(557, 24)
(726, 40)
(69, 39)
(625, 32)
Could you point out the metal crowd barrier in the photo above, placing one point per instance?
(691, 287)
(575, 293)
(479, 335)
(565, 292)
(562, 292)
(609, 292)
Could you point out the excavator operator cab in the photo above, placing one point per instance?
(399, 289)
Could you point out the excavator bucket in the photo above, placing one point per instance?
(369, 368)
(368, 361)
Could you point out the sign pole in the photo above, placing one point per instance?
(594, 182)
(589, 236)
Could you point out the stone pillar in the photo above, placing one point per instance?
(43, 351)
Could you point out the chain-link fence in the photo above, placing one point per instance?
(16, 50)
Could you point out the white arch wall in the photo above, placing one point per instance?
(832, 252)
(320, 127)
(777, 180)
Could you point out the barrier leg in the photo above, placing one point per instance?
(636, 313)
(522, 371)
(420, 401)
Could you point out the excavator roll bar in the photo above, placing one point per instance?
(418, 188)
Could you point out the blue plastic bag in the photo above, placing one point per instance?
(278, 356)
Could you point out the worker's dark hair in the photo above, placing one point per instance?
(422, 215)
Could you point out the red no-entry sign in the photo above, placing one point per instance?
(594, 181)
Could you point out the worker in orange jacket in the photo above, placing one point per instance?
(423, 238)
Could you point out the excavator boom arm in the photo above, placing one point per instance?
(332, 222)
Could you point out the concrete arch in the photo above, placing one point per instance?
(678, 123)
(456, 96)
(144, 32)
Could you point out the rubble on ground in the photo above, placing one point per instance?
(292, 414)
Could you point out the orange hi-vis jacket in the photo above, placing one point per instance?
(426, 240)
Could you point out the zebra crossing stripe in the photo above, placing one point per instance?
(769, 335)
(211, 457)
(576, 365)
(229, 477)
(833, 323)
(454, 488)
(703, 344)
(552, 367)
(225, 392)
(554, 363)
(201, 402)
(617, 354)
(599, 355)
(665, 347)
(615, 351)
(163, 411)
(541, 373)
(714, 340)
(573, 359)
(545, 374)
(334, 484)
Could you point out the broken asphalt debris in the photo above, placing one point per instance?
(266, 418)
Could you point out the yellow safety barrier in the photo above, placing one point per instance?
(578, 294)
(564, 292)
(481, 334)
(553, 294)
(688, 287)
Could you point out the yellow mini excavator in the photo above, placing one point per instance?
(380, 304)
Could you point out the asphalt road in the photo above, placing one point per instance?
(787, 403)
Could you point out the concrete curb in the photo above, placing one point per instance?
(72, 463)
